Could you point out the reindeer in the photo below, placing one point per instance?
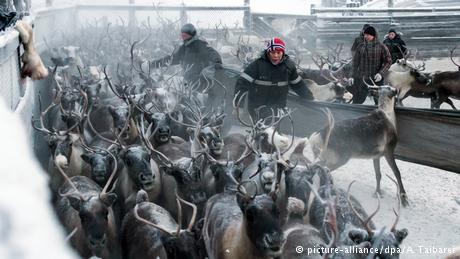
(86, 210)
(98, 160)
(181, 173)
(408, 78)
(297, 233)
(140, 171)
(264, 135)
(388, 241)
(303, 180)
(65, 146)
(333, 90)
(237, 225)
(370, 136)
(447, 84)
(149, 231)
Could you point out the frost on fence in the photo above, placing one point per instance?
(10, 90)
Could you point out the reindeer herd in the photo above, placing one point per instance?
(140, 168)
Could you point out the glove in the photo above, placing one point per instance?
(351, 81)
(218, 66)
(378, 77)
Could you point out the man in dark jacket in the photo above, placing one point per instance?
(395, 45)
(358, 40)
(193, 55)
(268, 78)
(371, 62)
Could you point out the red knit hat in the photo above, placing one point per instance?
(276, 44)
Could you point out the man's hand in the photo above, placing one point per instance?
(378, 77)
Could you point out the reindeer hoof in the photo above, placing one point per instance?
(404, 200)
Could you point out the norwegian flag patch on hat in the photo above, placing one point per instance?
(276, 44)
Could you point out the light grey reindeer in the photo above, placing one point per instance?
(370, 136)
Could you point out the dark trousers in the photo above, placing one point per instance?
(262, 112)
(360, 91)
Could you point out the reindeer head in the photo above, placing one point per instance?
(94, 211)
(262, 221)
(182, 243)
(386, 241)
(94, 218)
(101, 163)
(161, 127)
(187, 173)
(142, 170)
(120, 115)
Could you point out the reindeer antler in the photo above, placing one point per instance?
(367, 221)
(452, 57)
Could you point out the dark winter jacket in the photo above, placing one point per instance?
(193, 55)
(268, 84)
(371, 58)
(396, 46)
(358, 40)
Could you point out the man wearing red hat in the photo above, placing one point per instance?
(268, 78)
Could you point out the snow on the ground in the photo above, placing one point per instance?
(433, 217)
(28, 226)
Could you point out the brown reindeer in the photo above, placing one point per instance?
(87, 210)
(239, 226)
(447, 84)
(149, 231)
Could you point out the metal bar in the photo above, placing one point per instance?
(383, 10)
(125, 7)
(295, 16)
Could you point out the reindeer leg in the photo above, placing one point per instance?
(449, 101)
(389, 156)
(378, 176)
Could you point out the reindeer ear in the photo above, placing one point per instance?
(123, 153)
(86, 157)
(358, 236)
(108, 199)
(75, 202)
(242, 201)
(401, 234)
